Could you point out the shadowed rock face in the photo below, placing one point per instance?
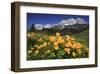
(64, 26)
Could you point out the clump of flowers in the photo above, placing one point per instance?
(43, 46)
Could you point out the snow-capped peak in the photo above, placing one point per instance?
(80, 21)
(70, 21)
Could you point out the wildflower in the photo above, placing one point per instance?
(51, 38)
(48, 51)
(79, 51)
(74, 45)
(87, 50)
(32, 48)
(56, 45)
(39, 47)
(35, 45)
(29, 51)
(73, 54)
(72, 38)
(67, 50)
(40, 40)
(30, 34)
(60, 40)
(45, 44)
(69, 44)
(68, 38)
(77, 45)
(57, 34)
(37, 51)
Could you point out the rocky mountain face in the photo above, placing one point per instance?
(68, 26)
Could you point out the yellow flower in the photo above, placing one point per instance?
(56, 45)
(79, 51)
(51, 38)
(68, 38)
(67, 50)
(48, 51)
(87, 50)
(32, 48)
(73, 54)
(77, 45)
(69, 44)
(30, 34)
(40, 40)
(60, 39)
(36, 46)
(37, 51)
(29, 51)
(41, 46)
(57, 34)
(45, 44)
(72, 38)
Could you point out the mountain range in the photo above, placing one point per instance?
(68, 25)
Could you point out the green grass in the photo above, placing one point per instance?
(83, 37)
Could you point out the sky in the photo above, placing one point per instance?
(40, 18)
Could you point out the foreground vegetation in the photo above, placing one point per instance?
(41, 45)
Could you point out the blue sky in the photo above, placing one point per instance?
(38, 18)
